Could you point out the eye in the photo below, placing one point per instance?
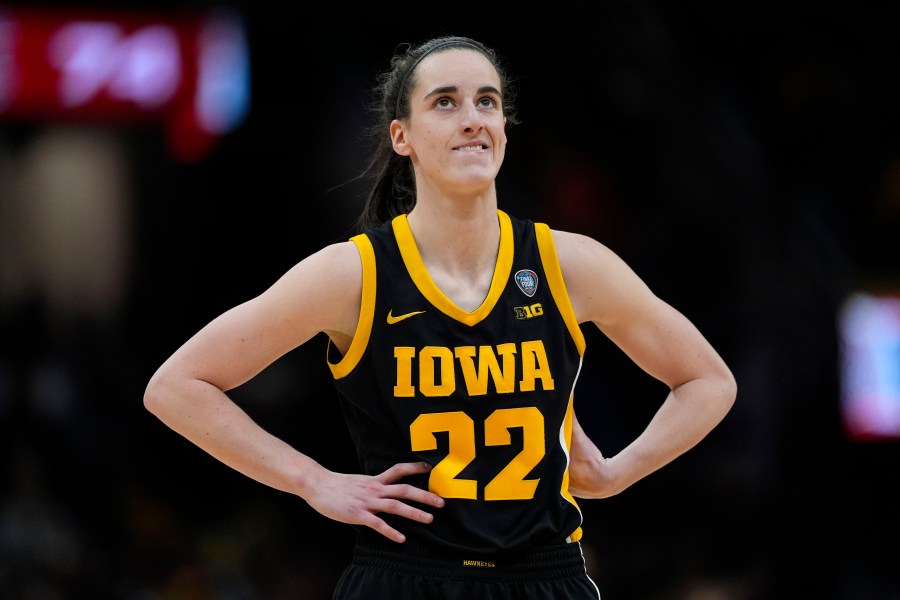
(444, 102)
(488, 102)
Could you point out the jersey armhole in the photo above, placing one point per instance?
(557, 285)
(366, 311)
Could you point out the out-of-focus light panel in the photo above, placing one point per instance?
(869, 331)
(190, 72)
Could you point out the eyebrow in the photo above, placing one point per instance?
(451, 89)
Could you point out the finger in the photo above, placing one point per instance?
(411, 492)
(401, 470)
(401, 509)
(386, 530)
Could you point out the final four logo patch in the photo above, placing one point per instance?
(527, 281)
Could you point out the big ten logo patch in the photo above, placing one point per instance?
(529, 312)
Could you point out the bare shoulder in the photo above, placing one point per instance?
(575, 248)
(324, 288)
(335, 264)
(604, 290)
(599, 283)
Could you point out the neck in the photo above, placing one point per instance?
(459, 248)
(458, 234)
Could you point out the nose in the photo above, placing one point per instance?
(471, 118)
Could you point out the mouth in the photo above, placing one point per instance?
(472, 147)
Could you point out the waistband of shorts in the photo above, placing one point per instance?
(540, 564)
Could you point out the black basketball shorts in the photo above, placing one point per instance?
(384, 570)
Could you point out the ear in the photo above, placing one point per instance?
(398, 139)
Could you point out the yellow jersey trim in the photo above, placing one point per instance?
(557, 284)
(366, 310)
(566, 441)
(419, 273)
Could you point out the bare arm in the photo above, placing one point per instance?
(662, 342)
(188, 391)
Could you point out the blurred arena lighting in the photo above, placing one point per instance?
(869, 330)
(188, 71)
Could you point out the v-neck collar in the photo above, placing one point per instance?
(416, 267)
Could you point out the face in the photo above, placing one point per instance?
(455, 134)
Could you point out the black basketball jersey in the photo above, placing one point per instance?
(483, 396)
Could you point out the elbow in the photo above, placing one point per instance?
(151, 397)
(154, 395)
(729, 391)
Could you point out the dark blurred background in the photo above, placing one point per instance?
(744, 158)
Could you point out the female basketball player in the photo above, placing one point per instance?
(455, 343)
